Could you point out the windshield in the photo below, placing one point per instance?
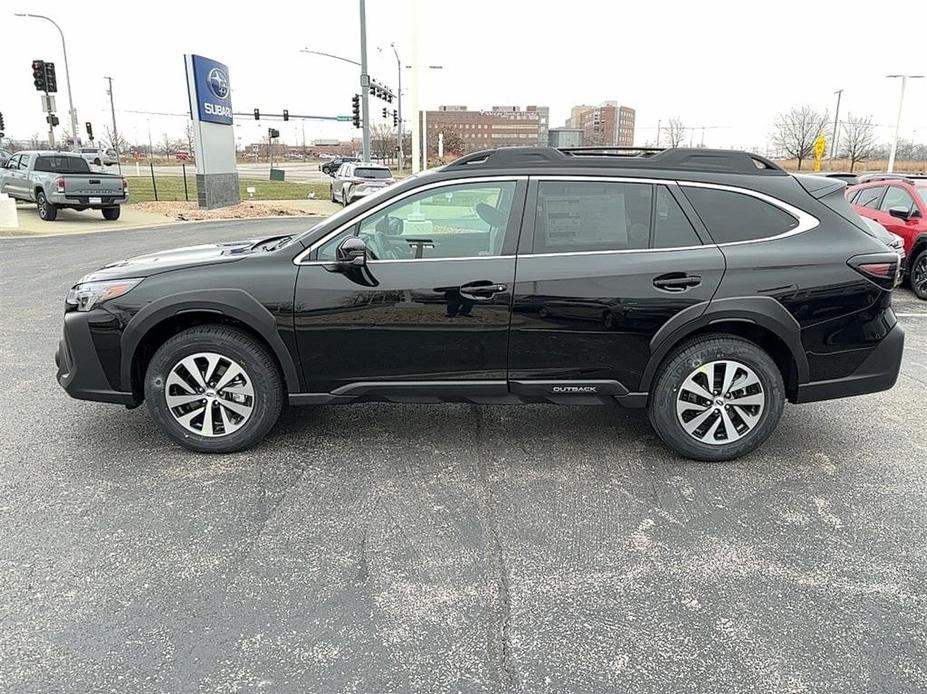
(54, 164)
(372, 173)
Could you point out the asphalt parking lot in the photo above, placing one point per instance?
(453, 548)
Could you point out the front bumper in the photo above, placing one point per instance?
(878, 372)
(79, 370)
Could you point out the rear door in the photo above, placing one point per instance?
(603, 264)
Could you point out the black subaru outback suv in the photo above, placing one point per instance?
(707, 286)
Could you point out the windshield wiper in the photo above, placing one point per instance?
(280, 239)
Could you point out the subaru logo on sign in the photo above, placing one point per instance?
(218, 83)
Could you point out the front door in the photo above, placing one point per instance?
(602, 265)
(431, 305)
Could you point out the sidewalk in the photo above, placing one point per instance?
(157, 214)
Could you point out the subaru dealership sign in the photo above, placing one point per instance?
(213, 94)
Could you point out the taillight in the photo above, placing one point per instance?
(880, 268)
(59, 184)
(125, 186)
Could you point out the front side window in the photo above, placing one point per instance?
(578, 216)
(731, 217)
(13, 163)
(896, 196)
(466, 220)
(869, 197)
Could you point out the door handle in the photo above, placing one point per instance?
(481, 290)
(676, 282)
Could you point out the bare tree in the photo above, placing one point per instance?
(796, 131)
(120, 144)
(188, 136)
(454, 145)
(858, 139)
(382, 141)
(168, 146)
(675, 131)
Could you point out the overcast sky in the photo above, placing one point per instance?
(727, 67)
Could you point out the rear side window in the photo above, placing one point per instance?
(371, 173)
(732, 217)
(869, 197)
(671, 227)
(576, 216)
(62, 164)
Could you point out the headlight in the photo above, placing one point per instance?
(86, 295)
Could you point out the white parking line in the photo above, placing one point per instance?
(912, 315)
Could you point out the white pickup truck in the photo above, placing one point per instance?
(56, 180)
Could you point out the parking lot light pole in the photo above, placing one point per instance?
(67, 73)
(402, 158)
(904, 83)
(364, 83)
(112, 110)
(833, 142)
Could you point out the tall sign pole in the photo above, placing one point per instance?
(833, 141)
(416, 123)
(364, 83)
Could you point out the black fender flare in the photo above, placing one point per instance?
(919, 245)
(763, 311)
(234, 303)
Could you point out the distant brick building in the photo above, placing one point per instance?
(501, 126)
(605, 124)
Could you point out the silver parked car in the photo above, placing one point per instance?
(355, 180)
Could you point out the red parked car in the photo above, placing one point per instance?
(900, 205)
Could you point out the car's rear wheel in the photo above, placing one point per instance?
(717, 397)
(47, 211)
(111, 213)
(214, 389)
(919, 275)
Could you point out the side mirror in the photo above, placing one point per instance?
(901, 213)
(352, 251)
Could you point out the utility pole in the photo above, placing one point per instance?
(112, 110)
(364, 83)
(833, 140)
(659, 123)
(904, 83)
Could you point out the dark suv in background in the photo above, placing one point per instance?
(707, 286)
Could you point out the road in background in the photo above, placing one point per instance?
(453, 548)
(300, 172)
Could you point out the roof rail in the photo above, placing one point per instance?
(692, 159)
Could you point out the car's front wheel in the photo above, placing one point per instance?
(717, 397)
(919, 275)
(214, 389)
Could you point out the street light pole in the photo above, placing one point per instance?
(112, 109)
(833, 141)
(67, 73)
(904, 83)
(364, 83)
(402, 157)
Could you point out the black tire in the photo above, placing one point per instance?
(681, 363)
(331, 193)
(97, 162)
(345, 200)
(918, 275)
(111, 213)
(237, 345)
(47, 211)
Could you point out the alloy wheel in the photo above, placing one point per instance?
(919, 275)
(720, 402)
(209, 394)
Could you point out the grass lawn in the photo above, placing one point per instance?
(171, 188)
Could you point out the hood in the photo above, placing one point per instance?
(174, 259)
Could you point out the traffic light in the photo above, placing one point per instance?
(384, 112)
(51, 81)
(2, 125)
(395, 118)
(286, 114)
(38, 75)
(52, 120)
(257, 114)
(89, 130)
(272, 133)
(355, 110)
